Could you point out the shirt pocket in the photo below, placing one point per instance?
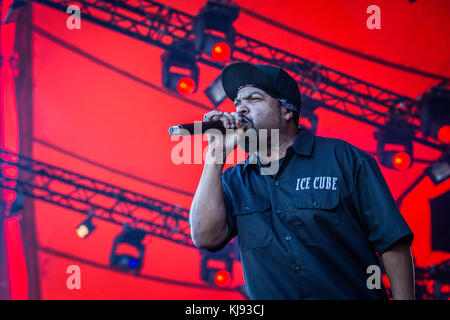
(253, 219)
(315, 217)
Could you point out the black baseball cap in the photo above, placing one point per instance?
(275, 81)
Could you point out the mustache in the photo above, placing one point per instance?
(247, 120)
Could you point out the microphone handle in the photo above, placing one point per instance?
(186, 129)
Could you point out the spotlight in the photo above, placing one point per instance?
(400, 160)
(394, 147)
(444, 134)
(215, 92)
(130, 237)
(440, 170)
(221, 51)
(85, 228)
(217, 268)
(186, 85)
(214, 33)
(180, 71)
(434, 112)
(222, 278)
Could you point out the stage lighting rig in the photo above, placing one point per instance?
(394, 147)
(213, 29)
(308, 118)
(216, 268)
(132, 238)
(180, 71)
(435, 112)
(85, 228)
(15, 11)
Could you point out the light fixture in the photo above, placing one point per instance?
(179, 68)
(440, 170)
(85, 228)
(434, 108)
(216, 268)
(394, 146)
(214, 33)
(215, 92)
(221, 51)
(131, 237)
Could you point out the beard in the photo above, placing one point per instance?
(250, 141)
(257, 139)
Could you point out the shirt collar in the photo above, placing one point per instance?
(304, 142)
(302, 145)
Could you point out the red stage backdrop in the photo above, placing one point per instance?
(90, 115)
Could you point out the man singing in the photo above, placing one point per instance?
(315, 227)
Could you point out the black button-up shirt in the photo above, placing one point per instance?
(311, 230)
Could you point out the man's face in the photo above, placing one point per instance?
(259, 109)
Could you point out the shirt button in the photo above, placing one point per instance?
(297, 269)
(314, 204)
(276, 182)
(278, 211)
(288, 238)
(247, 208)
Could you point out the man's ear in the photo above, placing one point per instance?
(288, 114)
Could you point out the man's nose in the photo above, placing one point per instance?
(243, 110)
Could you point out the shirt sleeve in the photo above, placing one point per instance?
(377, 209)
(231, 221)
(229, 207)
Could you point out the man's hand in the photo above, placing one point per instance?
(221, 145)
(400, 270)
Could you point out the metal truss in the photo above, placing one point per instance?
(160, 25)
(90, 196)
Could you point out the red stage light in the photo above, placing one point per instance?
(9, 196)
(444, 134)
(221, 51)
(222, 278)
(401, 160)
(186, 85)
(10, 172)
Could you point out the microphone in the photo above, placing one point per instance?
(186, 129)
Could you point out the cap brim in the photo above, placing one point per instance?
(240, 74)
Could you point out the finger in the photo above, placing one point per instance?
(231, 120)
(208, 116)
(211, 115)
(226, 122)
(237, 118)
(239, 123)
